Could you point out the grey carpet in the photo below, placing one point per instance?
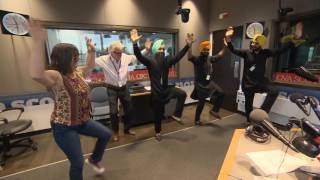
(196, 153)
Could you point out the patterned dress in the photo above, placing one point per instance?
(72, 104)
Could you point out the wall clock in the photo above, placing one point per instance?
(253, 29)
(14, 23)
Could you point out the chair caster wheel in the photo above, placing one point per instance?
(34, 147)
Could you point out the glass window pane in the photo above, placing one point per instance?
(102, 41)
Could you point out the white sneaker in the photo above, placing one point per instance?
(96, 167)
(158, 136)
(177, 119)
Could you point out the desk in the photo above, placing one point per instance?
(142, 111)
(39, 111)
(236, 164)
(141, 108)
(140, 94)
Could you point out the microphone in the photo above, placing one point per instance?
(305, 73)
(260, 117)
(314, 103)
(299, 100)
(308, 144)
(307, 127)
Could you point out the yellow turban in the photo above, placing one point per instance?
(204, 44)
(261, 39)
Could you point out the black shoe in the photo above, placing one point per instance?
(215, 114)
(198, 123)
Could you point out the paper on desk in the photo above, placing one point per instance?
(268, 162)
(313, 167)
(148, 88)
(264, 178)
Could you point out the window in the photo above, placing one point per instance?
(102, 40)
(304, 52)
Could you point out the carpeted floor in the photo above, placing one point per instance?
(192, 153)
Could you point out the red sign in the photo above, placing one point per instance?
(292, 78)
(144, 75)
(136, 75)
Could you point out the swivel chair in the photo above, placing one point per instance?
(9, 131)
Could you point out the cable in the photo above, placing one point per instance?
(234, 177)
(301, 126)
(285, 153)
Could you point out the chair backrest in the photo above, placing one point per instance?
(99, 101)
(99, 94)
(11, 114)
(99, 97)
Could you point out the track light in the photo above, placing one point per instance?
(184, 12)
(283, 11)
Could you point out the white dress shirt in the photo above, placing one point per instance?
(116, 72)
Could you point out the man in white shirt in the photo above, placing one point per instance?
(115, 68)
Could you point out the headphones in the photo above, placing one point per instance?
(309, 143)
(306, 146)
(257, 133)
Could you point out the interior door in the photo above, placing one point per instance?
(226, 72)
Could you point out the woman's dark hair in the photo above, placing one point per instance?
(61, 57)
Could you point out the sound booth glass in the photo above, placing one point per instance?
(102, 40)
(305, 51)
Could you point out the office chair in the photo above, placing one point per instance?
(9, 131)
(100, 103)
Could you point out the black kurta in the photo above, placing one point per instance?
(158, 73)
(255, 64)
(203, 75)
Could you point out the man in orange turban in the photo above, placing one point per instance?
(204, 85)
(204, 45)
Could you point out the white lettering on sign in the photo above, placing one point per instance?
(46, 100)
(17, 103)
(179, 84)
(2, 106)
(28, 102)
(31, 102)
(186, 83)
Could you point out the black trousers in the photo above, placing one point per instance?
(158, 104)
(272, 94)
(216, 94)
(125, 99)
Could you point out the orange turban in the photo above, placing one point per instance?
(205, 44)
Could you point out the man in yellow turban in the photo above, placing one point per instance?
(258, 41)
(254, 68)
(204, 85)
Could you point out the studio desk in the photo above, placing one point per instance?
(142, 112)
